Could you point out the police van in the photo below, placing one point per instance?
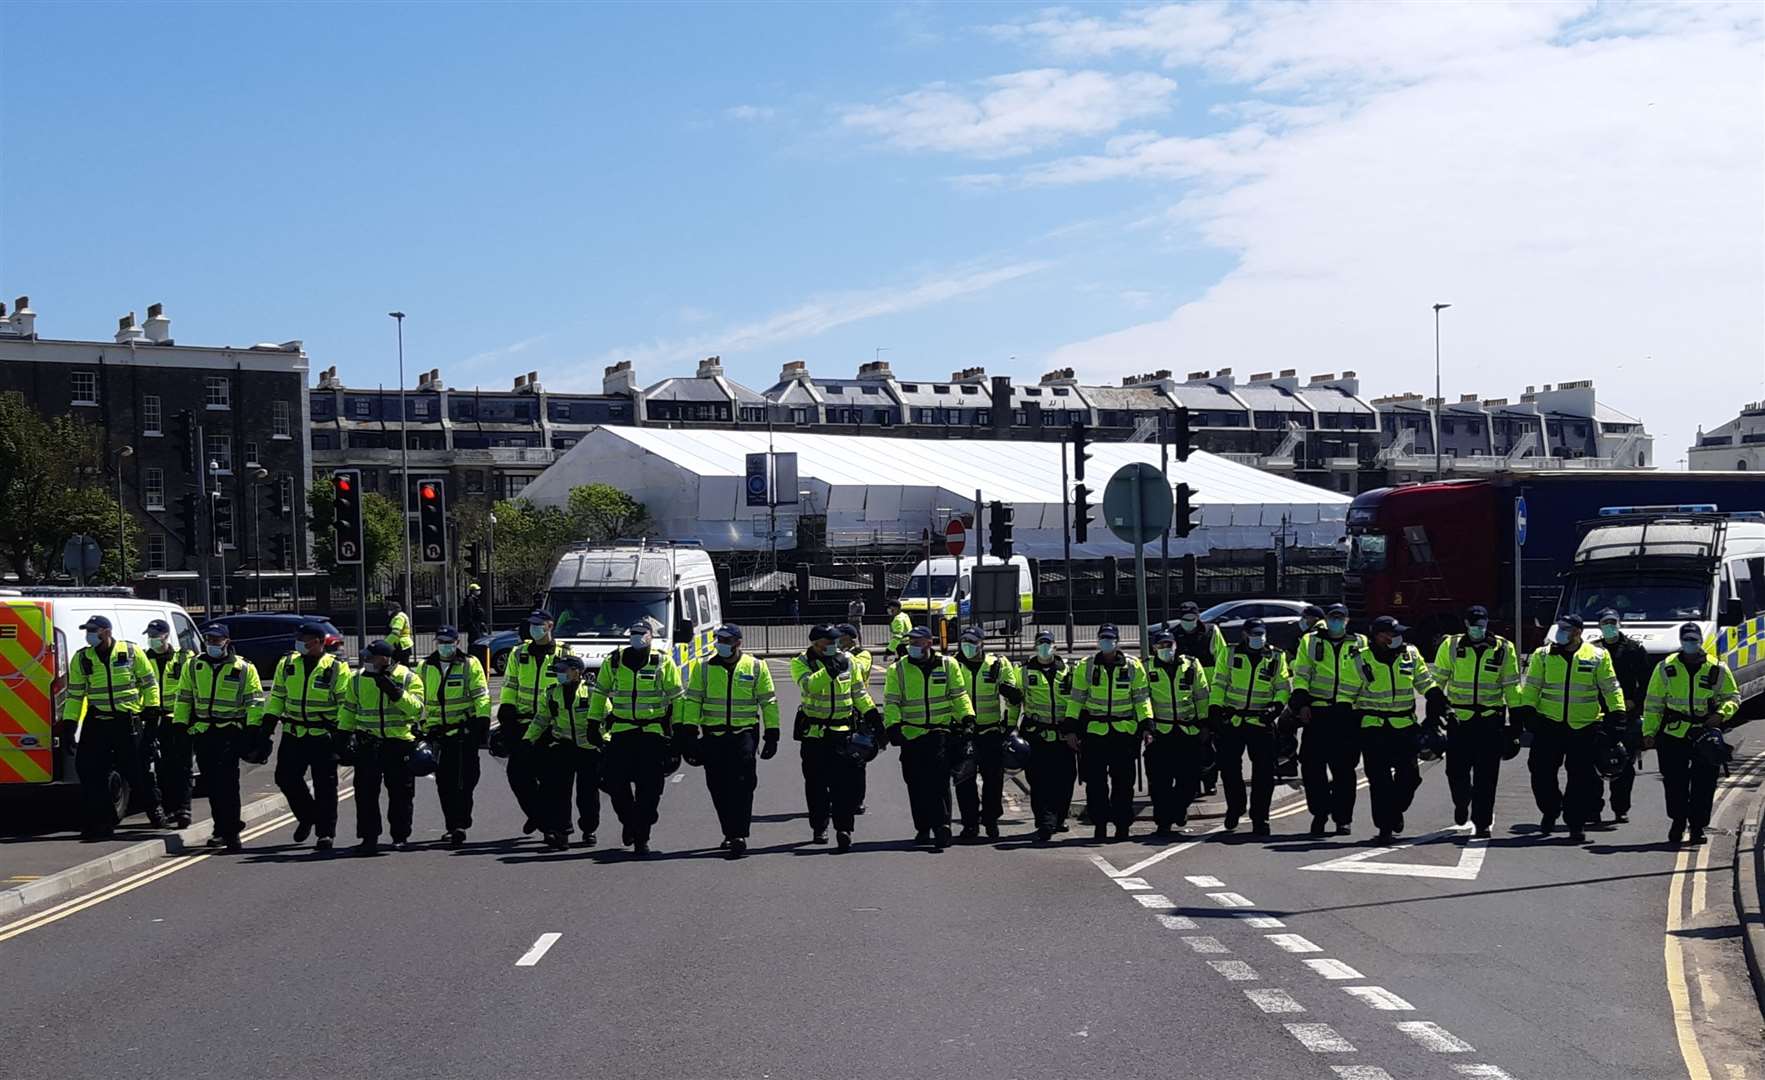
(597, 591)
(943, 588)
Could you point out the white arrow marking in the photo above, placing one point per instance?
(1470, 862)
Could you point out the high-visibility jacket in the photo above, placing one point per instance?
(1478, 675)
(122, 682)
(1245, 685)
(1180, 694)
(986, 676)
(1110, 697)
(308, 701)
(739, 694)
(1318, 662)
(169, 667)
(1383, 692)
(1679, 697)
(636, 699)
(863, 663)
(899, 627)
(218, 693)
(1574, 689)
(1205, 643)
(830, 702)
(921, 697)
(527, 675)
(398, 631)
(567, 712)
(455, 693)
(369, 710)
(1045, 691)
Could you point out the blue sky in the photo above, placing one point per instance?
(1192, 187)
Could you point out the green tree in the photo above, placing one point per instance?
(529, 538)
(602, 512)
(52, 486)
(382, 540)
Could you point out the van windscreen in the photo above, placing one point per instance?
(598, 613)
(942, 586)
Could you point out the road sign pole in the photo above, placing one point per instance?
(1519, 572)
(361, 607)
(1140, 574)
(1066, 539)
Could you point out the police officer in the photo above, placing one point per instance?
(456, 717)
(635, 693)
(172, 755)
(1311, 618)
(863, 663)
(1480, 674)
(381, 710)
(1688, 690)
(1332, 748)
(526, 676)
(398, 632)
(728, 710)
(110, 683)
(1381, 686)
(1634, 666)
(218, 696)
(1180, 692)
(306, 693)
(980, 776)
(472, 615)
(1204, 642)
(899, 627)
(1248, 691)
(570, 743)
(1046, 682)
(1112, 703)
(834, 702)
(925, 701)
(1568, 685)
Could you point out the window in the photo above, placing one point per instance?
(799, 416)
(870, 390)
(156, 550)
(1020, 418)
(251, 455)
(689, 608)
(705, 608)
(940, 389)
(512, 486)
(474, 483)
(285, 495)
(85, 387)
(219, 393)
(280, 424)
(836, 389)
(220, 450)
(922, 416)
(420, 408)
(983, 417)
(971, 389)
(361, 407)
(1060, 391)
(153, 488)
(152, 415)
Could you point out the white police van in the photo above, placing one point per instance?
(597, 591)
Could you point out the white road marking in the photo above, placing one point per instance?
(1260, 922)
(1482, 1072)
(1229, 899)
(1431, 1036)
(1360, 1072)
(1333, 970)
(1205, 945)
(677, 778)
(1158, 857)
(1132, 883)
(1177, 922)
(1202, 881)
(1274, 1001)
(1291, 942)
(540, 948)
(1379, 998)
(1153, 899)
(1105, 865)
(1234, 970)
(1470, 863)
(1320, 1038)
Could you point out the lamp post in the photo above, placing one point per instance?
(258, 476)
(404, 465)
(214, 526)
(122, 525)
(1437, 399)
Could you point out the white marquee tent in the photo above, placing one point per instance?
(874, 489)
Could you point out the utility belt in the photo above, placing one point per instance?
(111, 714)
(1478, 712)
(727, 729)
(1390, 714)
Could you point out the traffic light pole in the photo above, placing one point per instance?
(1164, 539)
(361, 608)
(1066, 539)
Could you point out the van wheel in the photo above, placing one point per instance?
(120, 795)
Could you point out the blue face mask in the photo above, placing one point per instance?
(970, 650)
(444, 650)
(1397, 641)
(1477, 631)
(916, 652)
(1336, 626)
(1044, 651)
(1562, 636)
(93, 637)
(1106, 645)
(640, 641)
(1189, 622)
(725, 648)
(216, 651)
(538, 632)
(1609, 631)
(1690, 646)
(1257, 641)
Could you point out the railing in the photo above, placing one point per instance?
(495, 455)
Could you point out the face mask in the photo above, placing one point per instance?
(1106, 646)
(93, 637)
(970, 650)
(1257, 641)
(1561, 637)
(725, 649)
(1477, 632)
(156, 642)
(1397, 641)
(1167, 655)
(1045, 651)
(446, 652)
(640, 641)
(538, 632)
(1691, 646)
(1609, 632)
(567, 676)
(216, 651)
(1189, 622)
(1336, 626)
(916, 652)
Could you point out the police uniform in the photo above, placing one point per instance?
(1688, 691)
(1248, 690)
(863, 663)
(1480, 675)
(1180, 691)
(728, 707)
(526, 676)
(635, 693)
(570, 745)
(1634, 667)
(382, 710)
(834, 703)
(899, 627)
(925, 703)
(217, 698)
(1053, 766)
(1566, 690)
(398, 635)
(1113, 706)
(1205, 643)
(1381, 686)
(108, 688)
(1331, 748)
(306, 694)
(166, 751)
(979, 768)
(456, 717)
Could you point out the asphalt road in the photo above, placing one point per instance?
(1209, 957)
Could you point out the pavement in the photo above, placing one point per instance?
(1200, 956)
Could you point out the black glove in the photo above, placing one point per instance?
(270, 721)
(769, 745)
(343, 745)
(1011, 694)
(505, 713)
(798, 726)
(387, 686)
(502, 739)
(479, 726)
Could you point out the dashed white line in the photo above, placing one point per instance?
(1131, 883)
(1482, 1072)
(1360, 1072)
(1431, 1036)
(1260, 922)
(1320, 1038)
(1274, 1001)
(1153, 899)
(1177, 922)
(1205, 945)
(1378, 997)
(1333, 969)
(539, 949)
(1229, 899)
(1292, 943)
(1234, 970)
(1202, 881)
(1158, 857)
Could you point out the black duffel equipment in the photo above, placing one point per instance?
(1430, 743)
(255, 747)
(502, 740)
(1511, 749)
(1710, 748)
(1610, 756)
(1016, 753)
(670, 763)
(962, 763)
(1286, 755)
(343, 745)
(422, 758)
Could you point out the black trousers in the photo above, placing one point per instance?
(830, 783)
(1622, 785)
(563, 766)
(731, 762)
(177, 755)
(383, 762)
(1327, 758)
(1473, 763)
(1392, 773)
(980, 791)
(1173, 771)
(1053, 769)
(1108, 761)
(1554, 747)
(107, 743)
(523, 771)
(1234, 742)
(1688, 784)
(633, 772)
(298, 755)
(146, 779)
(217, 753)
(925, 767)
(456, 778)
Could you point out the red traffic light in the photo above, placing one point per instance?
(429, 492)
(343, 483)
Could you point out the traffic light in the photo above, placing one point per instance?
(1081, 438)
(1081, 513)
(185, 433)
(432, 522)
(222, 522)
(999, 520)
(1181, 447)
(186, 518)
(474, 566)
(346, 516)
(1185, 512)
(279, 550)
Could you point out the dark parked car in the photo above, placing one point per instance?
(500, 645)
(265, 639)
(1282, 617)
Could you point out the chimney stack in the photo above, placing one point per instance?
(710, 367)
(24, 321)
(875, 369)
(127, 333)
(619, 379)
(533, 382)
(158, 328)
(520, 382)
(1060, 377)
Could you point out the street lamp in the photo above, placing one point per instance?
(122, 529)
(258, 476)
(1437, 399)
(404, 463)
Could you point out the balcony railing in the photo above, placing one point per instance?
(495, 455)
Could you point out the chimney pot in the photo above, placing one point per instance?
(1349, 375)
(1288, 373)
(1324, 378)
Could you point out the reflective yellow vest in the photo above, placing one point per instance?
(398, 631)
(985, 676)
(367, 710)
(722, 696)
(1478, 675)
(1571, 689)
(308, 701)
(1180, 694)
(640, 700)
(863, 663)
(829, 702)
(918, 700)
(123, 682)
(1318, 663)
(455, 693)
(1243, 686)
(1384, 692)
(218, 693)
(527, 675)
(1677, 698)
(169, 666)
(899, 627)
(1111, 697)
(568, 713)
(1045, 690)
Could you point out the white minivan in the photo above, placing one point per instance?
(943, 588)
(598, 590)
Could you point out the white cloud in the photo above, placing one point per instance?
(1013, 114)
(750, 114)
